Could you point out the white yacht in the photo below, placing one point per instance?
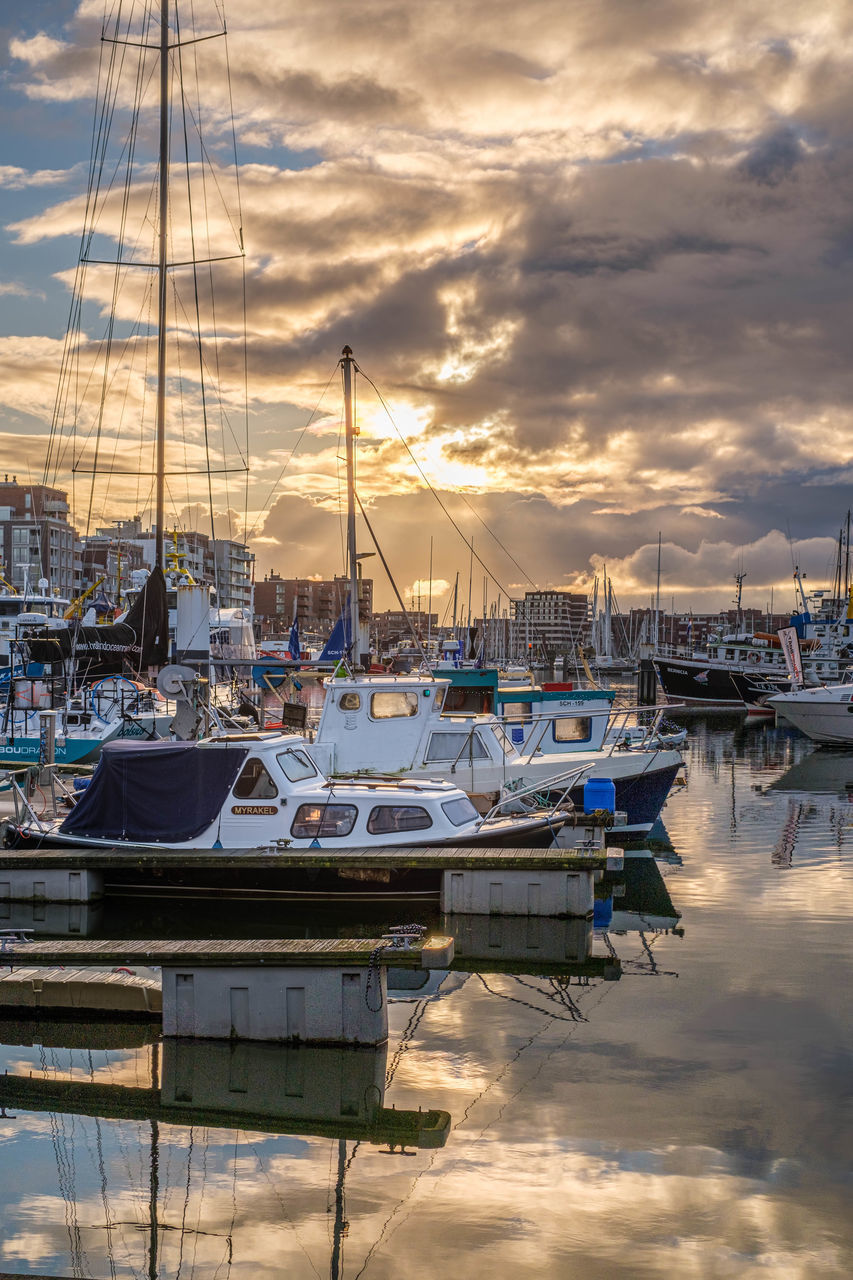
(824, 714)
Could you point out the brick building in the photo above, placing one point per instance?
(36, 539)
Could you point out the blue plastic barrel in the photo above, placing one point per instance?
(599, 793)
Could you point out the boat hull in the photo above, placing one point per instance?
(507, 833)
(828, 721)
(710, 687)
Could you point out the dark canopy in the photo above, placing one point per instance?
(155, 791)
(118, 648)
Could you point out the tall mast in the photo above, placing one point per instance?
(347, 364)
(656, 640)
(161, 284)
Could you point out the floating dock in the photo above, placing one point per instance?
(548, 882)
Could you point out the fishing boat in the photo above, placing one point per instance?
(401, 725)
(265, 791)
(744, 670)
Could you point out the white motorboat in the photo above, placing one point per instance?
(265, 791)
(824, 714)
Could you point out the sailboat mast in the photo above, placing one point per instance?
(161, 285)
(347, 364)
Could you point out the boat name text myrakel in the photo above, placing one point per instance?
(253, 808)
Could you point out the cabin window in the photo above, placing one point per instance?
(572, 729)
(503, 741)
(467, 702)
(315, 820)
(460, 811)
(516, 712)
(254, 782)
(730, 655)
(296, 765)
(350, 702)
(394, 705)
(449, 746)
(397, 817)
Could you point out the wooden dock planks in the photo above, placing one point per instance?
(287, 952)
(427, 858)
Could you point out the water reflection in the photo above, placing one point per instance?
(698, 1124)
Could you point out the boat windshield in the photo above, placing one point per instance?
(296, 765)
(460, 811)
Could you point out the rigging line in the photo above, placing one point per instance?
(183, 311)
(491, 531)
(97, 152)
(547, 1013)
(415, 635)
(282, 1205)
(201, 362)
(266, 505)
(183, 1227)
(243, 270)
(116, 289)
(468, 543)
(205, 169)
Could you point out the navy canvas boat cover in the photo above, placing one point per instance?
(155, 791)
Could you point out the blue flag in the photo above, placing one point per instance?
(293, 644)
(338, 643)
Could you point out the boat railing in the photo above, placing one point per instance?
(47, 782)
(618, 716)
(562, 783)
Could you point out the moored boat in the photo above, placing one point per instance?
(265, 791)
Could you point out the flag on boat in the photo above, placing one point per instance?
(293, 644)
(338, 644)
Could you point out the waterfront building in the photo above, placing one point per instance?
(36, 539)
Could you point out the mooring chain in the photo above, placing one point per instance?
(398, 938)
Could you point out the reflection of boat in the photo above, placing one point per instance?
(827, 772)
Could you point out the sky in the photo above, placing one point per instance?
(594, 262)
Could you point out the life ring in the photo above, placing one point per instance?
(754, 657)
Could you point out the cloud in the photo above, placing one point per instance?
(597, 262)
(16, 179)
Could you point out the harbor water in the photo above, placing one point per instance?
(691, 1118)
